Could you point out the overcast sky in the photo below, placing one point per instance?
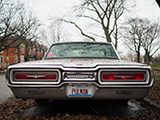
(47, 9)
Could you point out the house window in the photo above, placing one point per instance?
(16, 50)
(1, 59)
(16, 59)
(22, 58)
(22, 50)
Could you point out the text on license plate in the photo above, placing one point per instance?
(79, 91)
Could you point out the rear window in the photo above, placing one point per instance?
(81, 50)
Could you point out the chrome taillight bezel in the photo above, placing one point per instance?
(35, 81)
(145, 81)
(123, 76)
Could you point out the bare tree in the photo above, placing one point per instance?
(9, 24)
(29, 30)
(130, 55)
(118, 11)
(54, 33)
(15, 21)
(141, 33)
(151, 41)
(132, 35)
(104, 13)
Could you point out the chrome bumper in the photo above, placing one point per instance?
(99, 92)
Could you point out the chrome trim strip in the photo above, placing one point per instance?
(81, 83)
(34, 70)
(104, 66)
(79, 76)
(123, 70)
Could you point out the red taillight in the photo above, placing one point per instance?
(35, 76)
(123, 76)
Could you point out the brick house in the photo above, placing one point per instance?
(36, 51)
(17, 53)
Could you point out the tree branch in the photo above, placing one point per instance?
(79, 29)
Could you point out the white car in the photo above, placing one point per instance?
(80, 70)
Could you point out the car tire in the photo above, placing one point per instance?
(124, 102)
(41, 101)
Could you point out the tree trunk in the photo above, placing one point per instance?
(18, 53)
(108, 38)
(27, 51)
(138, 52)
(116, 37)
(147, 56)
(27, 56)
(138, 56)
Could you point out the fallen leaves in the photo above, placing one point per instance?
(154, 93)
(15, 108)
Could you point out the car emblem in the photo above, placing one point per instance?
(35, 76)
(123, 76)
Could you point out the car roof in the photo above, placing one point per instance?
(78, 42)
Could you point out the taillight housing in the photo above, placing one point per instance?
(35, 76)
(123, 76)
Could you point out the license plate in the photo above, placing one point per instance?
(79, 91)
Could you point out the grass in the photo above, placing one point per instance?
(155, 67)
(157, 76)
